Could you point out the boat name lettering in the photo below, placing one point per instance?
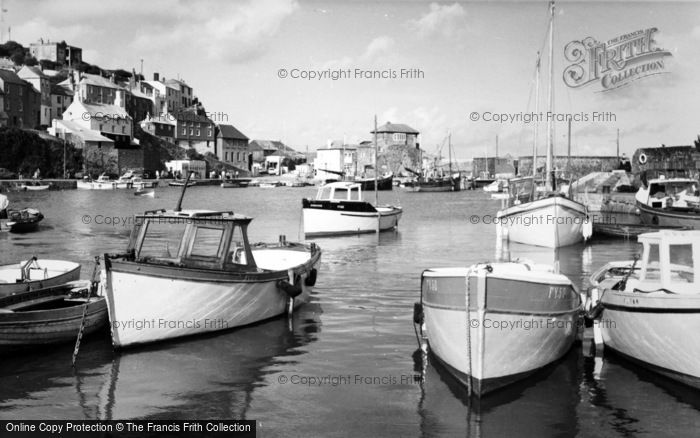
(432, 285)
(558, 292)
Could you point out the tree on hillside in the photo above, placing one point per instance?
(24, 152)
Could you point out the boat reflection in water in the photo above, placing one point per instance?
(542, 405)
(212, 376)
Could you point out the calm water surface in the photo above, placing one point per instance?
(355, 336)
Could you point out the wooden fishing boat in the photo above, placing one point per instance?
(497, 323)
(235, 183)
(36, 274)
(23, 221)
(384, 182)
(191, 272)
(626, 231)
(181, 182)
(34, 186)
(340, 209)
(103, 183)
(651, 313)
(50, 316)
(670, 202)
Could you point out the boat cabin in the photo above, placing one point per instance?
(670, 263)
(672, 192)
(340, 191)
(192, 239)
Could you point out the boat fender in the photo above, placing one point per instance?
(310, 279)
(418, 313)
(642, 158)
(293, 290)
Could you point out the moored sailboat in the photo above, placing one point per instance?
(544, 218)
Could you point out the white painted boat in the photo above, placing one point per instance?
(143, 192)
(550, 221)
(103, 183)
(36, 274)
(340, 209)
(34, 186)
(651, 311)
(497, 186)
(494, 324)
(192, 272)
(669, 202)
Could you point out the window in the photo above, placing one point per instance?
(198, 133)
(123, 129)
(653, 263)
(100, 127)
(207, 242)
(191, 131)
(20, 91)
(340, 194)
(184, 130)
(162, 240)
(682, 263)
(209, 132)
(399, 136)
(355, 194)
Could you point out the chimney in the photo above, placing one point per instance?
(156, 77)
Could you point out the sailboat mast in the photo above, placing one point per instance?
(376, 163)
(550, 125)
(449, 150)
(537, 112)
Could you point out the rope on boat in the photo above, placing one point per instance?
(469, 338)
(85, 307)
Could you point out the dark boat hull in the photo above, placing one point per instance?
(628, 230)
(51, 319)
(669, 217)
(384, 183)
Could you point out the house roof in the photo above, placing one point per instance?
(230, 131)
(11, 77)
(98, 81)
(32, 69)
(275, 146)
(391, 128)
(85, 134)
(189, 115)
(112, 110)
(60, 90)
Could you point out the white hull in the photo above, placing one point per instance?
(507, 341)
(49, 273)
(110, 185)
(550, 222)
(330, 222)
(654, 330)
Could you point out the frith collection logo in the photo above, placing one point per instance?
(615, 63)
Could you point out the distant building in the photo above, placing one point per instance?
(186, 92)
(577, 166)
(61, 98)
(196, 131)
(160, 126)
(111, 121)
(330, 162)
(232, 147)
(41, 83)
(666, 158)
(489, 167)
(170, 96)
(396, 134)
(21, 102)
(183, 167)
(60, 53)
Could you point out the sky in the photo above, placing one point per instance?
(473, 57)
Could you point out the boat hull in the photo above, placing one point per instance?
(443, 185)
(35, 328)
(659, 331)
(517, 324)
(383, 183)
(328, 218)
(669, 217)
(57, 272)
(551, 222)
(150, 304)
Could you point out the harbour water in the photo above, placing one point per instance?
(348, 362)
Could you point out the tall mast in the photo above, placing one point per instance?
(568, 150)
(550, 124)
(537, 112)
(376, 163)
(449, 150)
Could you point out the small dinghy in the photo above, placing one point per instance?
(23, 221)
(50, 316)
(36, 274)
(144, 192)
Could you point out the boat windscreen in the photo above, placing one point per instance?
(162, 239)
(682, 263)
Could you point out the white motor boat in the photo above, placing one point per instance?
(493, 324)
(103, 183)
(669, 202)
(339, 209)
(35, 274)
(192, 272)
(650, 312)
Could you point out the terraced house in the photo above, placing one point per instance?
(193, 130)
(232, 147)
(21, 102)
